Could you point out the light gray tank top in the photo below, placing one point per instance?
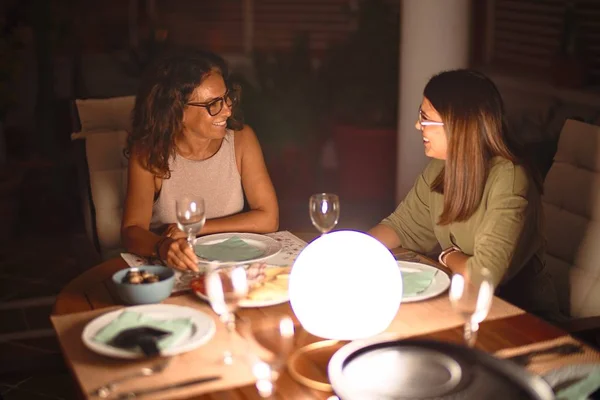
(216, 179)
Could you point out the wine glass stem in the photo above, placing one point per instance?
(470, 333)
(230, 325)
(190, 239)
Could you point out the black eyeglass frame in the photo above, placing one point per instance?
(230, 98)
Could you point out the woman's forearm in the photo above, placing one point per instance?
(385, 235)
(140, 241)
(254, 221)
(457, 262)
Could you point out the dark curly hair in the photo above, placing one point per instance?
(164, 91)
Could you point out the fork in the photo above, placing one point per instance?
(107, 389)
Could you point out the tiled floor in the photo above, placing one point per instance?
(48, 248)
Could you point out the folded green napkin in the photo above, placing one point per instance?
(414, 283)
(582, 389)
(232, 249)
(131, 319)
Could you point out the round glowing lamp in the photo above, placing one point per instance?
(345, 285)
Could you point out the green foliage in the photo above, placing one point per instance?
(282, 108)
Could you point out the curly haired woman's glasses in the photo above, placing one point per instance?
(215, 106)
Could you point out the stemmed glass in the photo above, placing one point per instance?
(226, 285)
(272, 341)
(324, 210)
(471, 296)
(191, 216)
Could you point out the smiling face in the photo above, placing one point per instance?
(434, 136)
(196, 120)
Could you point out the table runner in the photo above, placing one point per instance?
(432, 315)
(543, 364)
(93, 370)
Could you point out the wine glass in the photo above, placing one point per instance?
(471, 295)
(226, 285)
(191, 216)
(324, 210)
(272, 340)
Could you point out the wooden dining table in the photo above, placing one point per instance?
(92, 291)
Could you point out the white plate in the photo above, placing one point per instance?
(202, 330)
(253, 303)
(439, 284)
(567, 375)
(268, 245)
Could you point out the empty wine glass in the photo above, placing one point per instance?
(191, 216)
(471, 296)
(324, 210)
(226, 285)
(272, 340)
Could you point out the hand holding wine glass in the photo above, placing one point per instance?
(226, 285)
(191, 216)
(471, 295)
(324, 210)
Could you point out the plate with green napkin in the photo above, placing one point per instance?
(421, 281)
(575, 382)
(235, 247)
(190, 329)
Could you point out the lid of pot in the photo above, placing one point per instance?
(422, 369)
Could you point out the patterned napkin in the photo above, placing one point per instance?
(131, 319)
(232, 249)
(414, 283)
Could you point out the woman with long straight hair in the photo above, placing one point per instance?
(475, 199)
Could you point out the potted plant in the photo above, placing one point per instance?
(361, 76)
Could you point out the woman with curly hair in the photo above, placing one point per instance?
(475, 199)
(186, 140)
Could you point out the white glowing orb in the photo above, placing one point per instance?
(345, 285)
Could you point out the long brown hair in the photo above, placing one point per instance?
(164, 91)
(473, 114)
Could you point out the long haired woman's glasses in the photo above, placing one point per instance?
(425, 122)
(215, 106)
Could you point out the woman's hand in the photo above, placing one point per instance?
(174, 232)
(178, 254)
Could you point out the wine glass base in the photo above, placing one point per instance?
(308, 364)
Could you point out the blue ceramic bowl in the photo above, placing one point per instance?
(145, 293)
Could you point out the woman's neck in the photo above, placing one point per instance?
(195, 148)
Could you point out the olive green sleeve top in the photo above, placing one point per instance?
(502, 235)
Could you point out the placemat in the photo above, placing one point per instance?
(93, 370)
(291, 246)
(432, 315)
(544, 363)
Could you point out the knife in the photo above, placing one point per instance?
(563, 349)
(143, 392)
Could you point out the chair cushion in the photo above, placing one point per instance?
(105, 114)
(107, 168)
(572, 211)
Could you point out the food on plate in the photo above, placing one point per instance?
(273, 286)
(137, 276)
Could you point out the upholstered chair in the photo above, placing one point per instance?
(572, 216)
(103, 168)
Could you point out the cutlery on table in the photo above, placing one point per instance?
(107, 389)
(143, 392)
(563, 349)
